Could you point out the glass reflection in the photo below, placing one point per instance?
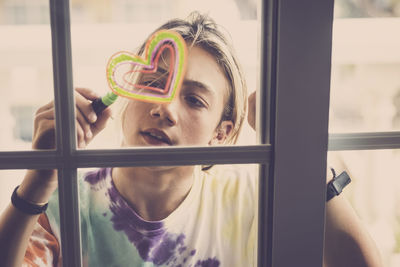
(365, 86)
(26, 74)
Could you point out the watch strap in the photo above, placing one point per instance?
(26, 206)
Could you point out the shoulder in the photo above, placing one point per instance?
(233, 179)
(89, 180)
(230, 197)
(90, 185)
(231, 187)
(95, 178)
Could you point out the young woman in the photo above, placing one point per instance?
(171, 215)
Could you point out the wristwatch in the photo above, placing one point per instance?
(336, 185)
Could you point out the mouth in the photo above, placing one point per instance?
(156, 137)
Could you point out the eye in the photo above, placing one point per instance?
(195, 101)
(153, 83)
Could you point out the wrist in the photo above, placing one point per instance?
(38, 186)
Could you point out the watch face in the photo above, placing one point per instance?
(342, 181)
(336, 185)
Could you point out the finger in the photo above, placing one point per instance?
(80, 135)
(44, 135)
(87, 93)
(49, 105)
(44, 115)
(252, 100)
(48, 114)
(84, 125)
(101, 121)
(85, 107)
(251, 116)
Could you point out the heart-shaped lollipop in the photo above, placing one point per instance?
(155, 78)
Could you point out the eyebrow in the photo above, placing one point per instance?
(199, 85)
(161, 73)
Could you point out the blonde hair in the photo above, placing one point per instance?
(200, 30)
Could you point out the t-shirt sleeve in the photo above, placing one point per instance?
(43, 248)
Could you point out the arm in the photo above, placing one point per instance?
(15, 226)
(347, 242)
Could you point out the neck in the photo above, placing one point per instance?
(153, 192)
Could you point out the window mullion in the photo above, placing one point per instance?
(364, 141)
(266, 128)
(138, 157)
(303, 70)
(28, 160)
(173, 156)
(65, 132)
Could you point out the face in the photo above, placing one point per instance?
(192, 118)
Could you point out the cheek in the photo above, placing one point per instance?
(129, 118)
(199, 128)
(135, 109)
(126, 125)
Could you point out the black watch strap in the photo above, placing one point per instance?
(26, 206)
(336, 185)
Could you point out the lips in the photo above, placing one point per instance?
(156, 137)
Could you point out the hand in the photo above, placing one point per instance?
(88, 125)
(251, 116)
(38, 185)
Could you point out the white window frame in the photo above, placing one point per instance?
(295, 69)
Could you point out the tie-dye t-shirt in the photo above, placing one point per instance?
(214, 226)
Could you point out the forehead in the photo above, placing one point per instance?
(202, 70)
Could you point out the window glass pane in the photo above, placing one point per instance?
(365, 91)
(9, 179)
(44, 243)
(199, 218)
(373, 193)
(367, 9)
(101, 30)
(26, 75)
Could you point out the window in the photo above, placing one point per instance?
(25, 71)
(364, 115)
(293, 121)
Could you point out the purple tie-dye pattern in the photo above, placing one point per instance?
(182, 249)
(97, 178)
(167, 248)
(152, 241)
(207, 263)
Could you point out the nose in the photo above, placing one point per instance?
(166, 112)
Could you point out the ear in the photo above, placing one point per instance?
(221, 133)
